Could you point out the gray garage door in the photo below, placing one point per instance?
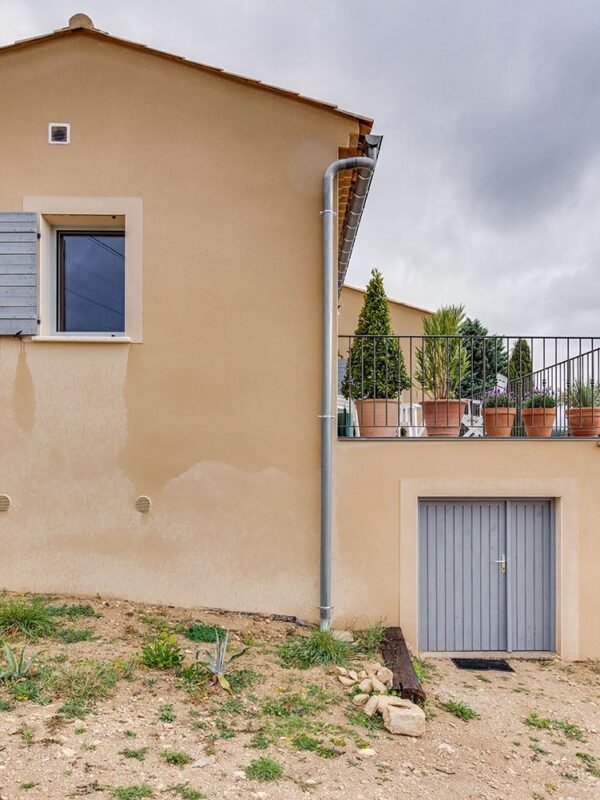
(486, 575)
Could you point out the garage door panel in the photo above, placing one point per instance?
(465, 598)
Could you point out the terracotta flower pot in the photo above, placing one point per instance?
(498, 421)
(443, 417)
(538, 422)
(584, 421)
(377, 417)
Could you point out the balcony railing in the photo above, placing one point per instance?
(469, 387)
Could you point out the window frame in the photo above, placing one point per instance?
(59, 278)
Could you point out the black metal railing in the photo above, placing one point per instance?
(469, 386)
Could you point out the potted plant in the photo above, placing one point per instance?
(583, 411)
(376, 373)
(499, 411)
(538, 415)
(442, 364)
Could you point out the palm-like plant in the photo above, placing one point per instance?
(218, 665)
(442, 360)
(582, 394)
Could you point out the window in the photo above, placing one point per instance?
(90, 281)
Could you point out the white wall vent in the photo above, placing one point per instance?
(59, 133)
(142, 504)
(4, 502)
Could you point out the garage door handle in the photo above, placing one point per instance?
(503, 562)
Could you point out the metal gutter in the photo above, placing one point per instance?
(365, 167)
(356, 207)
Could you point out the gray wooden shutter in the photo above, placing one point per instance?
(18, 272)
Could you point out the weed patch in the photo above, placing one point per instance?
(369, 641)
(138, 755)
(74, 611)
(176, 758)
(573, 732)
(166, 713)
(72, 635)
(24, 617)
(264, 769)
(198, 632)
(132, 792)
(310, 701)
(320, 648)
(162, 653)
(460, 710)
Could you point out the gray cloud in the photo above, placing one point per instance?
(488, 187)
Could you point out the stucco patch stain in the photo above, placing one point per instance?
(23, 396)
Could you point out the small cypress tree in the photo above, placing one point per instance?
(482, 376)
(520, 368)
(376, 367)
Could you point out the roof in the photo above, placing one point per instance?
(390, 300)
(81, 24)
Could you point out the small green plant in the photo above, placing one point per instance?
(72, 635)
(166, 713)
(305, 703)
(499, 400)
(306, 742)
(540, 400)
(186, 792)
(17, 666)
(369, 641)
(582, 395)
(138, 755)
(533, 720)
(264, 769)
(199, 632)
(132, 792)
(130, 734)
(590, 763)
(218, 665)
(423, 669)
(362, 720)
(25, 617)
(320, 648)
(176, 758)
(6, 705)
(460, 710)
(26, 786)
(538, 749)
(162, 653)
(72, 612)
(240, 679)
(27, 735)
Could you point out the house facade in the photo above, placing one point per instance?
(160, 354)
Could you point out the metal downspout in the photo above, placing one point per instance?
(327, 416)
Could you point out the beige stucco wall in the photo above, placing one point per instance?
(407, 320)
(377, 488)
(214, 414)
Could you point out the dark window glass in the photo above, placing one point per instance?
(91, 282)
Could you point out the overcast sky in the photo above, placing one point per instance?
(487, 191)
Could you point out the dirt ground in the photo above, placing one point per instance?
(44, 754)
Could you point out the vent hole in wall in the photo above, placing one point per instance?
(59, 133)
(4, 502)
(142, 504)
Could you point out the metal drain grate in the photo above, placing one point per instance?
(483, 663)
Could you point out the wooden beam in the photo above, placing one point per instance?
(397, 658)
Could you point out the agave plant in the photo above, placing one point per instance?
(218, 665)
(17, 665)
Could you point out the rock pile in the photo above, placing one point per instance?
(374, 681)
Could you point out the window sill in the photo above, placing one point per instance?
(87, 339)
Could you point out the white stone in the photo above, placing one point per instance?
(390, 700)
(341, 670)
(204, 761)
(404, 721)
(362, 675)
(345, 681)
(371, 706)
(366, 686)
(365, 752)
(385, 675)
(372, 667)
(378, 686)
(360, 699)
(352, 674)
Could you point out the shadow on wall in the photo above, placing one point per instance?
(23, 396)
